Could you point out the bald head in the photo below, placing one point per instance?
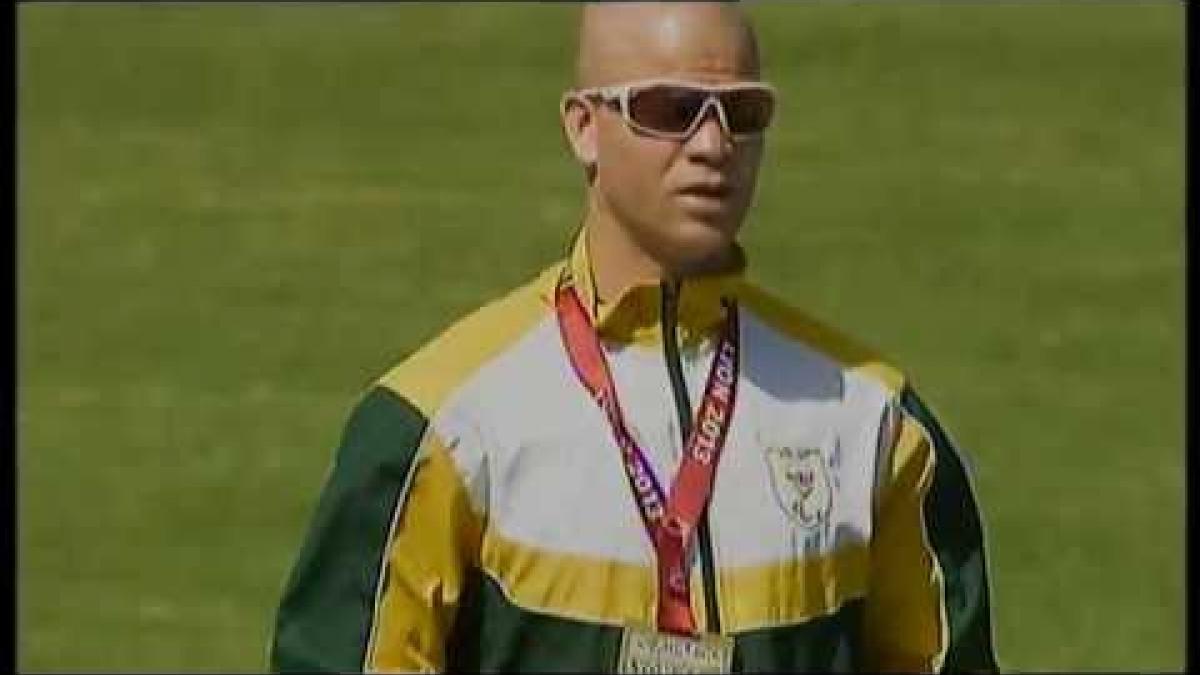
(622, 41)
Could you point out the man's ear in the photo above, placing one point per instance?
(579, 125)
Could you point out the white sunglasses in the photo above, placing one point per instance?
(674, 109)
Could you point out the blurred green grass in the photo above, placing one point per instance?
(231, 218)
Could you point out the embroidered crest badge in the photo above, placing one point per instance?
(801, 484)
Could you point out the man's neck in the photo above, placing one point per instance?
(616, 261)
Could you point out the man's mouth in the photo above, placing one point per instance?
(712, 190)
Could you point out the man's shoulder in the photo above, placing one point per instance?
(445, 362)
(848, 352)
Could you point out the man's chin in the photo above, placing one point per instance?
(703, 247)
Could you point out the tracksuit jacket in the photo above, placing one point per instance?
(477, 516)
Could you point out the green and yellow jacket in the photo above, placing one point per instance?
(477, 516)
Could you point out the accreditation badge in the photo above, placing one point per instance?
(648, 651)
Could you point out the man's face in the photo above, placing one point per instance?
(684, 200)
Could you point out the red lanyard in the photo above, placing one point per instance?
(670, 521)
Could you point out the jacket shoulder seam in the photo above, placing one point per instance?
(444, 364)
(848, 352)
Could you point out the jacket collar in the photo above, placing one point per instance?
(635, 314)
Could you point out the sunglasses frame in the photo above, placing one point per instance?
(622, 93)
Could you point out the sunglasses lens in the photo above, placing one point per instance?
(665, 108)
(748, 111)
(671, 109)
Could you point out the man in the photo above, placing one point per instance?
(639, 460)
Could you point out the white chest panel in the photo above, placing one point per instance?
(794, 479)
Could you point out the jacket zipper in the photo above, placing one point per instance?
(683, 408)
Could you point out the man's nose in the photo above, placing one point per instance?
(709, 141)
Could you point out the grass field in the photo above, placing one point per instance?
(233, 217)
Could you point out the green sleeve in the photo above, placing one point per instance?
(955, 532)
(324, 619)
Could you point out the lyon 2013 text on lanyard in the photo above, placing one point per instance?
(670, 520)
